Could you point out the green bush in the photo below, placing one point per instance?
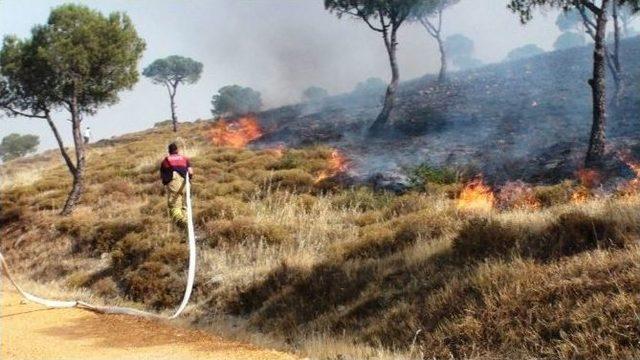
(424, 174)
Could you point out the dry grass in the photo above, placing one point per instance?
(334, 273)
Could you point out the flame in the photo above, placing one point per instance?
(237, 133)
(476, 196)
(580, 195)
(632, 186)
(588, 179)
(518, 195)
(337, 164)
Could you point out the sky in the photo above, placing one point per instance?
(279, 47)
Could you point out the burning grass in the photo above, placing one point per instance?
(474, 271)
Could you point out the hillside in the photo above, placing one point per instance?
(528, 119)
(292, 251)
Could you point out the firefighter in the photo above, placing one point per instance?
(173, 171)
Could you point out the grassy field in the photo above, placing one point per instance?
(333, 272)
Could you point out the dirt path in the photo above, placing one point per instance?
(32, 332)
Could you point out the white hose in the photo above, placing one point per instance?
(191, 274)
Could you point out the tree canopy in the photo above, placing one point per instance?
(15, 145)
(78, 61)
(568, 40)
(171, 72)
(236, 100)
(525, 51)
(78, 54)
(461, 51)
(174, 69)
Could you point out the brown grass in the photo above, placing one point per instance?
(339, 274)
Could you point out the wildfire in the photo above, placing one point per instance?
(588, 179)
(518, 195)
(237, 133)
(476, 196)
(337, 164)
(632, 186)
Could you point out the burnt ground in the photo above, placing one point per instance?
(527, 120)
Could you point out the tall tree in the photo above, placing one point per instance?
(171, 72)
(429, 13)
(599, 11)
(461, 50)
(385, 17)
(78, 61)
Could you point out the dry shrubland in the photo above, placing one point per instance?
(321, 268)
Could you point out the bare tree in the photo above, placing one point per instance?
(429, 13)
(596, 16)
(384, 17)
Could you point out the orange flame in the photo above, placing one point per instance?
(632, 186)
(518, 195)
(236, 134)
(337, 164)
(476, 196)
(588, 179)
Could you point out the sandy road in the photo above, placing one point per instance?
(32, 332)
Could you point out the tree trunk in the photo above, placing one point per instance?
(442, 77)
(174, 118)
(617, 73)
(390, 96)
(63, 151)
(78, 174)
(596, 151)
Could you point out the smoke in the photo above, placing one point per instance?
(277, 47)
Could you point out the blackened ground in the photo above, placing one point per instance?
(528, 119)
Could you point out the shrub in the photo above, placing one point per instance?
(422, 226)
(132, 251)
(374, 241)
(221, 208)
(294, 180)
(103, 236)
(106, 287)
(574, 232)
(554, 194)
(156, 284)
(362, 199)
(243, 230)
(480, 237)
(406, 204)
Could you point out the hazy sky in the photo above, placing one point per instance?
(278, 47)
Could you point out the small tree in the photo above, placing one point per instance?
(385, 17)
(78, 61)
(568, 40)
(429, 13)
(171, 72)
(314, 94)
(524, 52)
(373, 86)
(236, 100)
(595, 16)
(461, 51)
(14, 146)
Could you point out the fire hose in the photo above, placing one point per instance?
(191, 272)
